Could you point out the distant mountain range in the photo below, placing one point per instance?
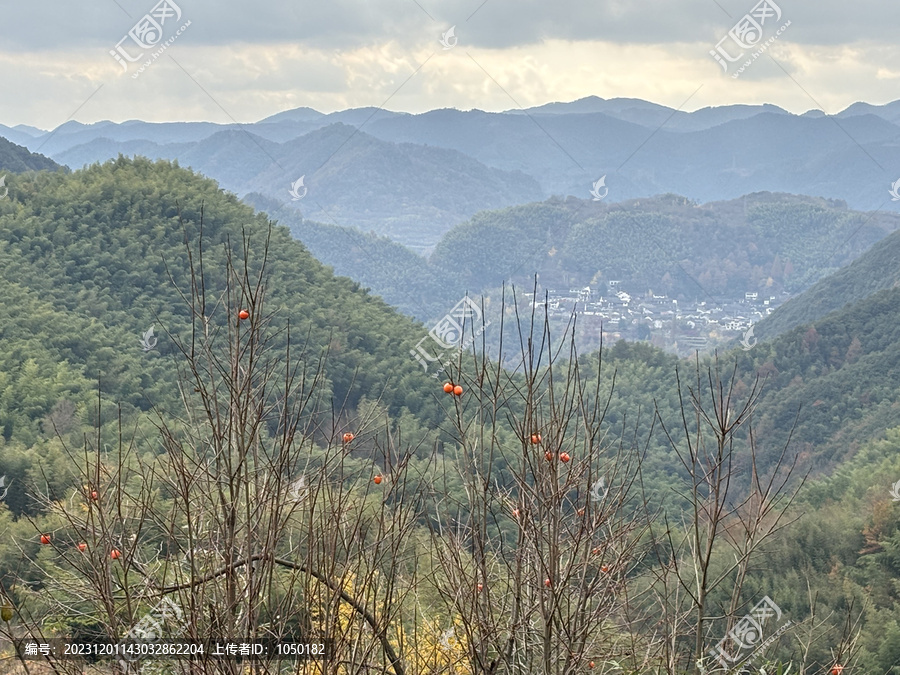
(413, 177)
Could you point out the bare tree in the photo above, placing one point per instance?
(533, 563)
(726, 524)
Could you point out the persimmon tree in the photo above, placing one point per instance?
(251, 512)
(533, 562)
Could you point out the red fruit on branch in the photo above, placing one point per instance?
(548, 456)
(535, 438)
(348, 437)
(115, 554)
(377, 480)
(448, 387)
(94, 495)
(45, 539)
(457, 390)
(244, 315)
(591, 664)
(82, 546)
(547, 583)
(564, 456)
(480, 587)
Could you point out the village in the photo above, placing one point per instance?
(611, 313)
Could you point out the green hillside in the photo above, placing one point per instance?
(839, 373)
(761, 242)
(843, 556)
(19, 159)
(440, 508)
(877, 269)
(92, 251)
(98, 247)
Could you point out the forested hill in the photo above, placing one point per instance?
(668, 243)
(84, 264)
(85, 260)
(835, 377)
(18, 159)
(763, 242)
(877, 269)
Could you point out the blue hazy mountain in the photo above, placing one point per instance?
(412, 177)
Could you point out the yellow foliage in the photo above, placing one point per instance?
(343, 627)
(432, 648)
(436, 649)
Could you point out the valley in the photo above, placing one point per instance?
(442, 407)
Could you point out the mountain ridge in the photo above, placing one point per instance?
(642, 149)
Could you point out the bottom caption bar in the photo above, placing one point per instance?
(140, 650)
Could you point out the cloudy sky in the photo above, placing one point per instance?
(243, 61)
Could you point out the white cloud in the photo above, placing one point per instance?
(256, 60)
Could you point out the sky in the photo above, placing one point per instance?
(244, 61)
